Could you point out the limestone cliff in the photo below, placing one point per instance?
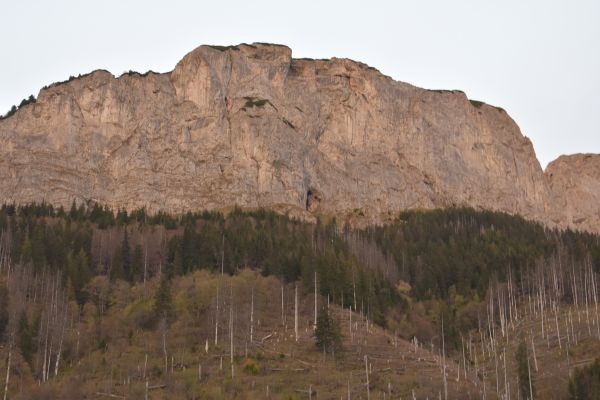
(576, 181)
(251, 126)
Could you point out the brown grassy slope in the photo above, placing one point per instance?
(105, 353)
(552, 361)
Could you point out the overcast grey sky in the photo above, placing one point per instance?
(539, 60)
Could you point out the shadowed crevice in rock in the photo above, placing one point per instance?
(313, 198)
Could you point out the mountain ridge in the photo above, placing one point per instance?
(250, 126)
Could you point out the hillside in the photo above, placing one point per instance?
(250, 126)
(184, 362)
(101, 305)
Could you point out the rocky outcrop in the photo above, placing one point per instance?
(575, 180)
(251, 126)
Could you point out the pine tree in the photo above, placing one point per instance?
(122, 217)
(79, 274)
(162, 300)
(73, 211)
(137, 262)
(328, 337)
(126, 258)
(38, 246)
(25, 339)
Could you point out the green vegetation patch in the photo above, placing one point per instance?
(252, 102)
(223, 48)
(585, 383)
(30, 100)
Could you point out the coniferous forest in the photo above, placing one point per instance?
(203, 305)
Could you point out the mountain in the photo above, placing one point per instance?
(577, 179)
(251, 126)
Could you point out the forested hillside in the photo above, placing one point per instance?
(125, 299)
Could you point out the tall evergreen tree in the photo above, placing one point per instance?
(25, 339)
(137, 263)
(126, 257)
(73, 211)
(79, 274)
(162, 300)
(328, 337)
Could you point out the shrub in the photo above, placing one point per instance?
(251, 367)
(477, 103)
(585, 383)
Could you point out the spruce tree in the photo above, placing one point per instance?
(137, 262)
(162, 300)
(25, 339)
(126, 258)
(328, 337)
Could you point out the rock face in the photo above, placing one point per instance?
(251, 126)
(576, 181)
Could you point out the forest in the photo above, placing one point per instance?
(456, 272)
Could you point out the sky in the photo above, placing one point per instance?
(539, 60)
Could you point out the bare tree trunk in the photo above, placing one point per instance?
(296, 311)
(506, 394)
(557, 328)
(145, 266)
(252, 317)
(444, 362)
(218, 286)
(60, 343)
(595, 296)
(354, 289)
(530, 384)
(165, 346)
(282, 307)
(349, 397)
(587, 311)
(315, 324)
(534, 356)
(217, 315)
(8, 369)
(573, 334)
(231, 329)
(367, 374)
(463, 356)
(496, 367)
(44, 377)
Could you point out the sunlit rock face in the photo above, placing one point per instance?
(576, 181)
(253, 127)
